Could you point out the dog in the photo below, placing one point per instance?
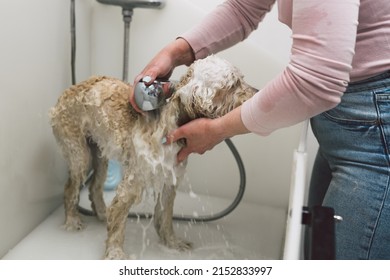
(93, 122)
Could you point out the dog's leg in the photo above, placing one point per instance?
(163, 214)
(117, 212)
(71, 199)
(78, 158)
(99, 165)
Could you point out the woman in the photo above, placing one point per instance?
(338, 76)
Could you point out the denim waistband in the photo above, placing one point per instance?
(359, 102)
(378, 81)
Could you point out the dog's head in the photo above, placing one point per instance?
(211, 88)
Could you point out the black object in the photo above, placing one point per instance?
(130, 4)
(320, 221)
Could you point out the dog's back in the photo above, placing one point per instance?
(97, 108)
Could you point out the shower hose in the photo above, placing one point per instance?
(207, 218)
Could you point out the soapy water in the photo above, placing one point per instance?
(155, 167)
(210, 241)
(156, 163)
(207, 239)
(145, 240)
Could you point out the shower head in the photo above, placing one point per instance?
(152, 97)
(131, 4)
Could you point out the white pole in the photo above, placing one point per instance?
(292, 243)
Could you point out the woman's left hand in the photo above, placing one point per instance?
(201, 135)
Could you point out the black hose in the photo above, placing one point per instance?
(73, 40)
(207, 218)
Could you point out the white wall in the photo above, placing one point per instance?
(34, 70)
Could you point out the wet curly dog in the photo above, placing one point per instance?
(94, 122)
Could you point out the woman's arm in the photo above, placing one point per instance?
(324, 36)
(228, 24)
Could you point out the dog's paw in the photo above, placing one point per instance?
(101, 216)
(116, 254)
(179, 245)
(100, 211)
(74, 224)
(183, 245)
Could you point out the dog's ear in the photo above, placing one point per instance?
(183, 115)
(227, 99)
(224, 100)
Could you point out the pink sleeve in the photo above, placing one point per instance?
(324, 35)
(231, 22)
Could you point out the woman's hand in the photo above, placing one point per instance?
(202, 135)
(162, 65)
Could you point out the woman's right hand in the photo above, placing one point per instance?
(162, 65)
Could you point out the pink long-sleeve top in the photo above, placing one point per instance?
(334, 42)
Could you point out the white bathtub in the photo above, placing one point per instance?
(250, 232)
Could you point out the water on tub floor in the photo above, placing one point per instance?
(250, 232)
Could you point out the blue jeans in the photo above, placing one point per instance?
(352, 169)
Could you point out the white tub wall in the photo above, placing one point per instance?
(260, 58)
(34, 70)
